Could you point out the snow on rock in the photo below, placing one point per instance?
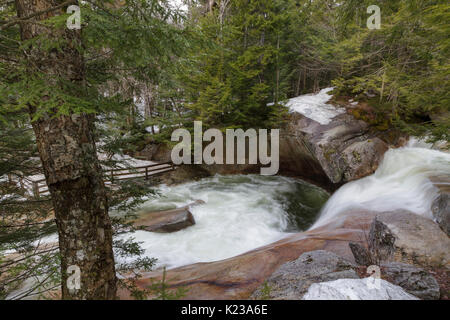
(357, 289)
(315, 107)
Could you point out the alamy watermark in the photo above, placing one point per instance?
(374, 21)
(74, 280)
(74, 21)
(235, 147)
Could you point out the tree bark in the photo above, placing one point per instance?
(69, 158)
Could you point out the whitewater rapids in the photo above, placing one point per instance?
(241, 213)
(402, 181)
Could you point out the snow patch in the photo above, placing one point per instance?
(315, 107)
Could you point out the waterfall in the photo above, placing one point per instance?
(402, 181)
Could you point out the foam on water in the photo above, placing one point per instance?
(240, 213)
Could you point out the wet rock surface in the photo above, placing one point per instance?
(166, 221)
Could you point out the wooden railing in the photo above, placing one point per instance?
(39, 187)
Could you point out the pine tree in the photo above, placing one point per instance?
(233, 76)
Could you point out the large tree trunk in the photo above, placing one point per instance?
(69, 158)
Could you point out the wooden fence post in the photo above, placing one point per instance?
(146, 173)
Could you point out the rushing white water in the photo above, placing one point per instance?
(240, 213)
(402, 181)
